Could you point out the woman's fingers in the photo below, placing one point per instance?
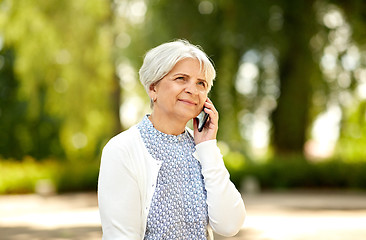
(211, 110)
(210, 129)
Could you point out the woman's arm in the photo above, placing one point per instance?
(226, 208)
(118, 197)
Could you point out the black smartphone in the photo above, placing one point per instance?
(202, 118)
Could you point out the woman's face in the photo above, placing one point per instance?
(182, 92)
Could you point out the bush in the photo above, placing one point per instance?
(25, 176)
(296, 172)
(289, 173)
(79, 176)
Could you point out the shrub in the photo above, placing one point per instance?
(23, 177)
(289, 173)
(297, 172)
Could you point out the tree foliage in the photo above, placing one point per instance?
(66, 66)
(64, 75)
(281, 45)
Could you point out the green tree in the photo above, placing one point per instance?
(284, 44)
(297, 71)
(12, 112)
(351, 64)
(64, 69)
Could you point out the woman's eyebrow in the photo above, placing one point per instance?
(184, 74)
(187, 75)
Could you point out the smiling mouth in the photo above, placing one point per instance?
(187, 101)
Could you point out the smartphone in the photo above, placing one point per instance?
(202, 118)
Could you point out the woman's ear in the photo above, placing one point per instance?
(152, 87)
(152, 92)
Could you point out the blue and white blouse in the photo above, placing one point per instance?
(178, 209)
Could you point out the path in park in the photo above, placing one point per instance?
(271, 216)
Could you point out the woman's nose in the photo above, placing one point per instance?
(191, 88)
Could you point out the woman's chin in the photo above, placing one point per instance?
(191, 114)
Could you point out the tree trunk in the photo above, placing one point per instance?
(291, 117)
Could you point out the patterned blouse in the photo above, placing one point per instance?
(178, 209)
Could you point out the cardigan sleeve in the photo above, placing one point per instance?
(118, 197)
(226, 208)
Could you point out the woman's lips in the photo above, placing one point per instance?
(186, 101)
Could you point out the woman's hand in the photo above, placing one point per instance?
(210, 128)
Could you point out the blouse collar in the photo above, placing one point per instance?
(149, 130)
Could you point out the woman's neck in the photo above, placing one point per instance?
(167, 125)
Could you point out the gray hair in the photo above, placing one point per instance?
(159, 61)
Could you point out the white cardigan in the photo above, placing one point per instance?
(126, 185)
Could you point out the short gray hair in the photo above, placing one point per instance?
(159, 61)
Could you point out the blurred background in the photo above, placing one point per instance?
(290, 88)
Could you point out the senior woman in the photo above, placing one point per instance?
(158, 180)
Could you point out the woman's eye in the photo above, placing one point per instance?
(180, 78)
(203, 84)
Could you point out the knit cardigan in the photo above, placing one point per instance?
(126, 185)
